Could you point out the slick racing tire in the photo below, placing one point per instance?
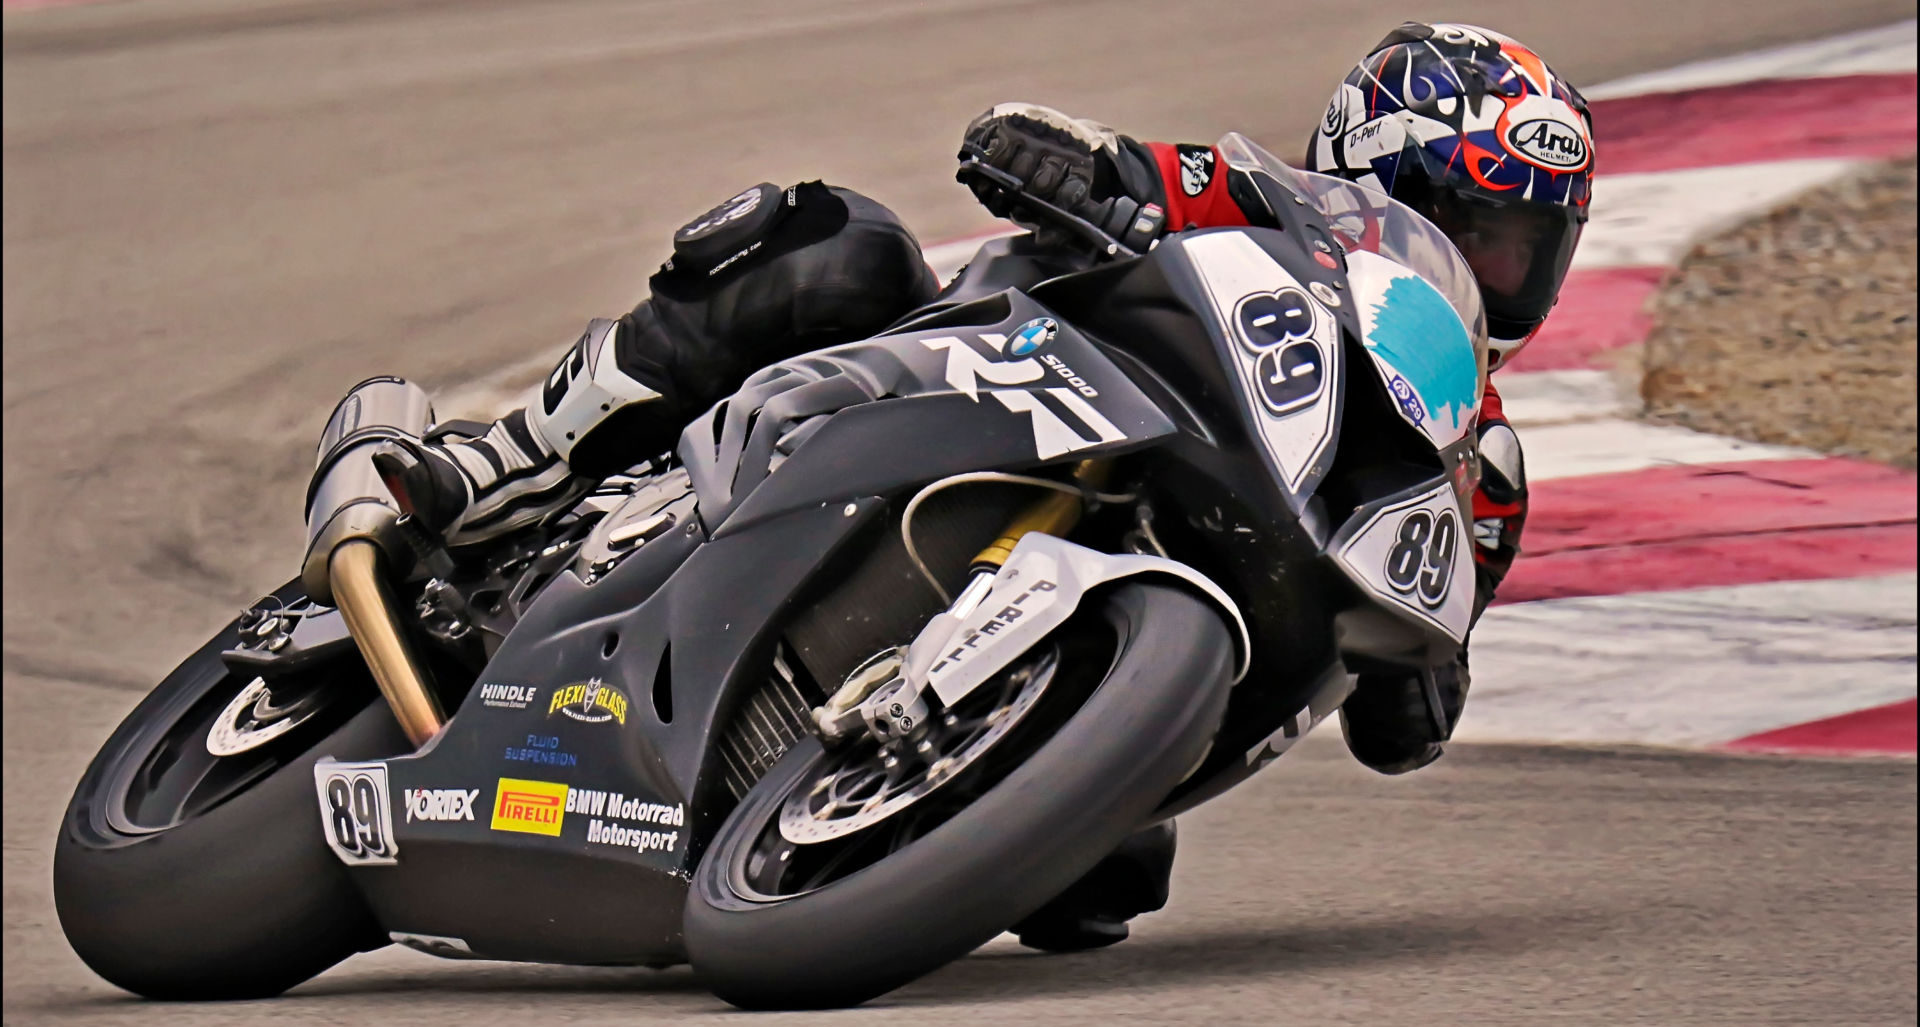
(179, 874)
(1153, 666)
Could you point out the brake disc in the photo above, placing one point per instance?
(867, 783)
(252, 720)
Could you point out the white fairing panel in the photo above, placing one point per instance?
(967, 371)
(1418, 345)
(1288, 349)
(1416, 554)
(1043, 581)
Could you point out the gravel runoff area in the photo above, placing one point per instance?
(1797, 327)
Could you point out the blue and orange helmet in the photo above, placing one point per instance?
(1474, 131)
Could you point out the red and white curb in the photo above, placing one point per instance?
(1680, 588)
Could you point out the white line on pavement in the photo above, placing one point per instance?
(1881, 50)
(1651, 219)
(1540, 398)
(1609, 447)
(1693, 667)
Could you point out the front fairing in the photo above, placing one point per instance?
(1365, 435)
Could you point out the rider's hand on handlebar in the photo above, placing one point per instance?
(1058, 176)
(1063, 160)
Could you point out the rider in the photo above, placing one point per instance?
(1464, 125)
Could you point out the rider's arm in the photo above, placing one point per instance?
(1195, 184)
(1083, 166)
(1500, 502)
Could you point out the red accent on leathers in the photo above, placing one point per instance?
(1213, 208)
(1491, 412)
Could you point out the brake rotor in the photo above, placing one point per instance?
(867, 783)
(252, 719)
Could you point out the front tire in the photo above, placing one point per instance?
(179, 875)
(1023, 840)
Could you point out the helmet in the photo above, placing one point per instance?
(1474, 131)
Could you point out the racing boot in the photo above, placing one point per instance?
(1395, 723)
(1093, 912)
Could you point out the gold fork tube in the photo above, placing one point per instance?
(361, 595)
(1054, 515)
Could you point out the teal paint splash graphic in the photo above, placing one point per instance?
(1416, 330)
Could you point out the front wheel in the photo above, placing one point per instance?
(903, 875)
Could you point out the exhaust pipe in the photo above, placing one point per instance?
(354, 540)
(360, 592)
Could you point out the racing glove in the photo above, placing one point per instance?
(1081, 166)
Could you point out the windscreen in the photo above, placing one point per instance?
(1366, 219)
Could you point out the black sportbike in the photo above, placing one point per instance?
(904, 638)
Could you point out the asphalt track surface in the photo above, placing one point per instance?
(219, 214)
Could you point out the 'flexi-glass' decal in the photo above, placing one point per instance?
(1419, 346)
(1415, 552)
(1287, 346)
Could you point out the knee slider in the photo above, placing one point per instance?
(832, 266)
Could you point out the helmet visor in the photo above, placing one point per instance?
(1519, 250)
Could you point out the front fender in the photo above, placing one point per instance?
(1039, 587)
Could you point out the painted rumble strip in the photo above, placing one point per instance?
(1719, 524)
(1755, 122)
(1600, 310)
(1883, 730)
(1698, 667)
(1635, 520)
(1890, 48)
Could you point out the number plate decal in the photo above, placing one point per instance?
(355, 814)
(1415, 553)
(1286, 348)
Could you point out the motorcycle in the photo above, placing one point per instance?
(904, 638)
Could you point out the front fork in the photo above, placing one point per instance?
(877, 695)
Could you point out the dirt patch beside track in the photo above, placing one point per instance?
(1797, 327)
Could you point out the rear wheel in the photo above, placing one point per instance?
(840, 878)
(190, 863)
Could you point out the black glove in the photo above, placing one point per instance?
(1064, 161)
(1079, 166)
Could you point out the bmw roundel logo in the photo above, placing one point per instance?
(1029, 337)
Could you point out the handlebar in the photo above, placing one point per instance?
(1042, 212)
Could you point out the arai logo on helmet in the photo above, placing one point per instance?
(1029, 337)
(1550, 143)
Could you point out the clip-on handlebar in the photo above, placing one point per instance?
(1047, 214)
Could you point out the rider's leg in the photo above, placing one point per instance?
(1093, 912)
(767, 275)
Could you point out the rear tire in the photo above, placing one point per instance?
(1021, 842)
(242, 899)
